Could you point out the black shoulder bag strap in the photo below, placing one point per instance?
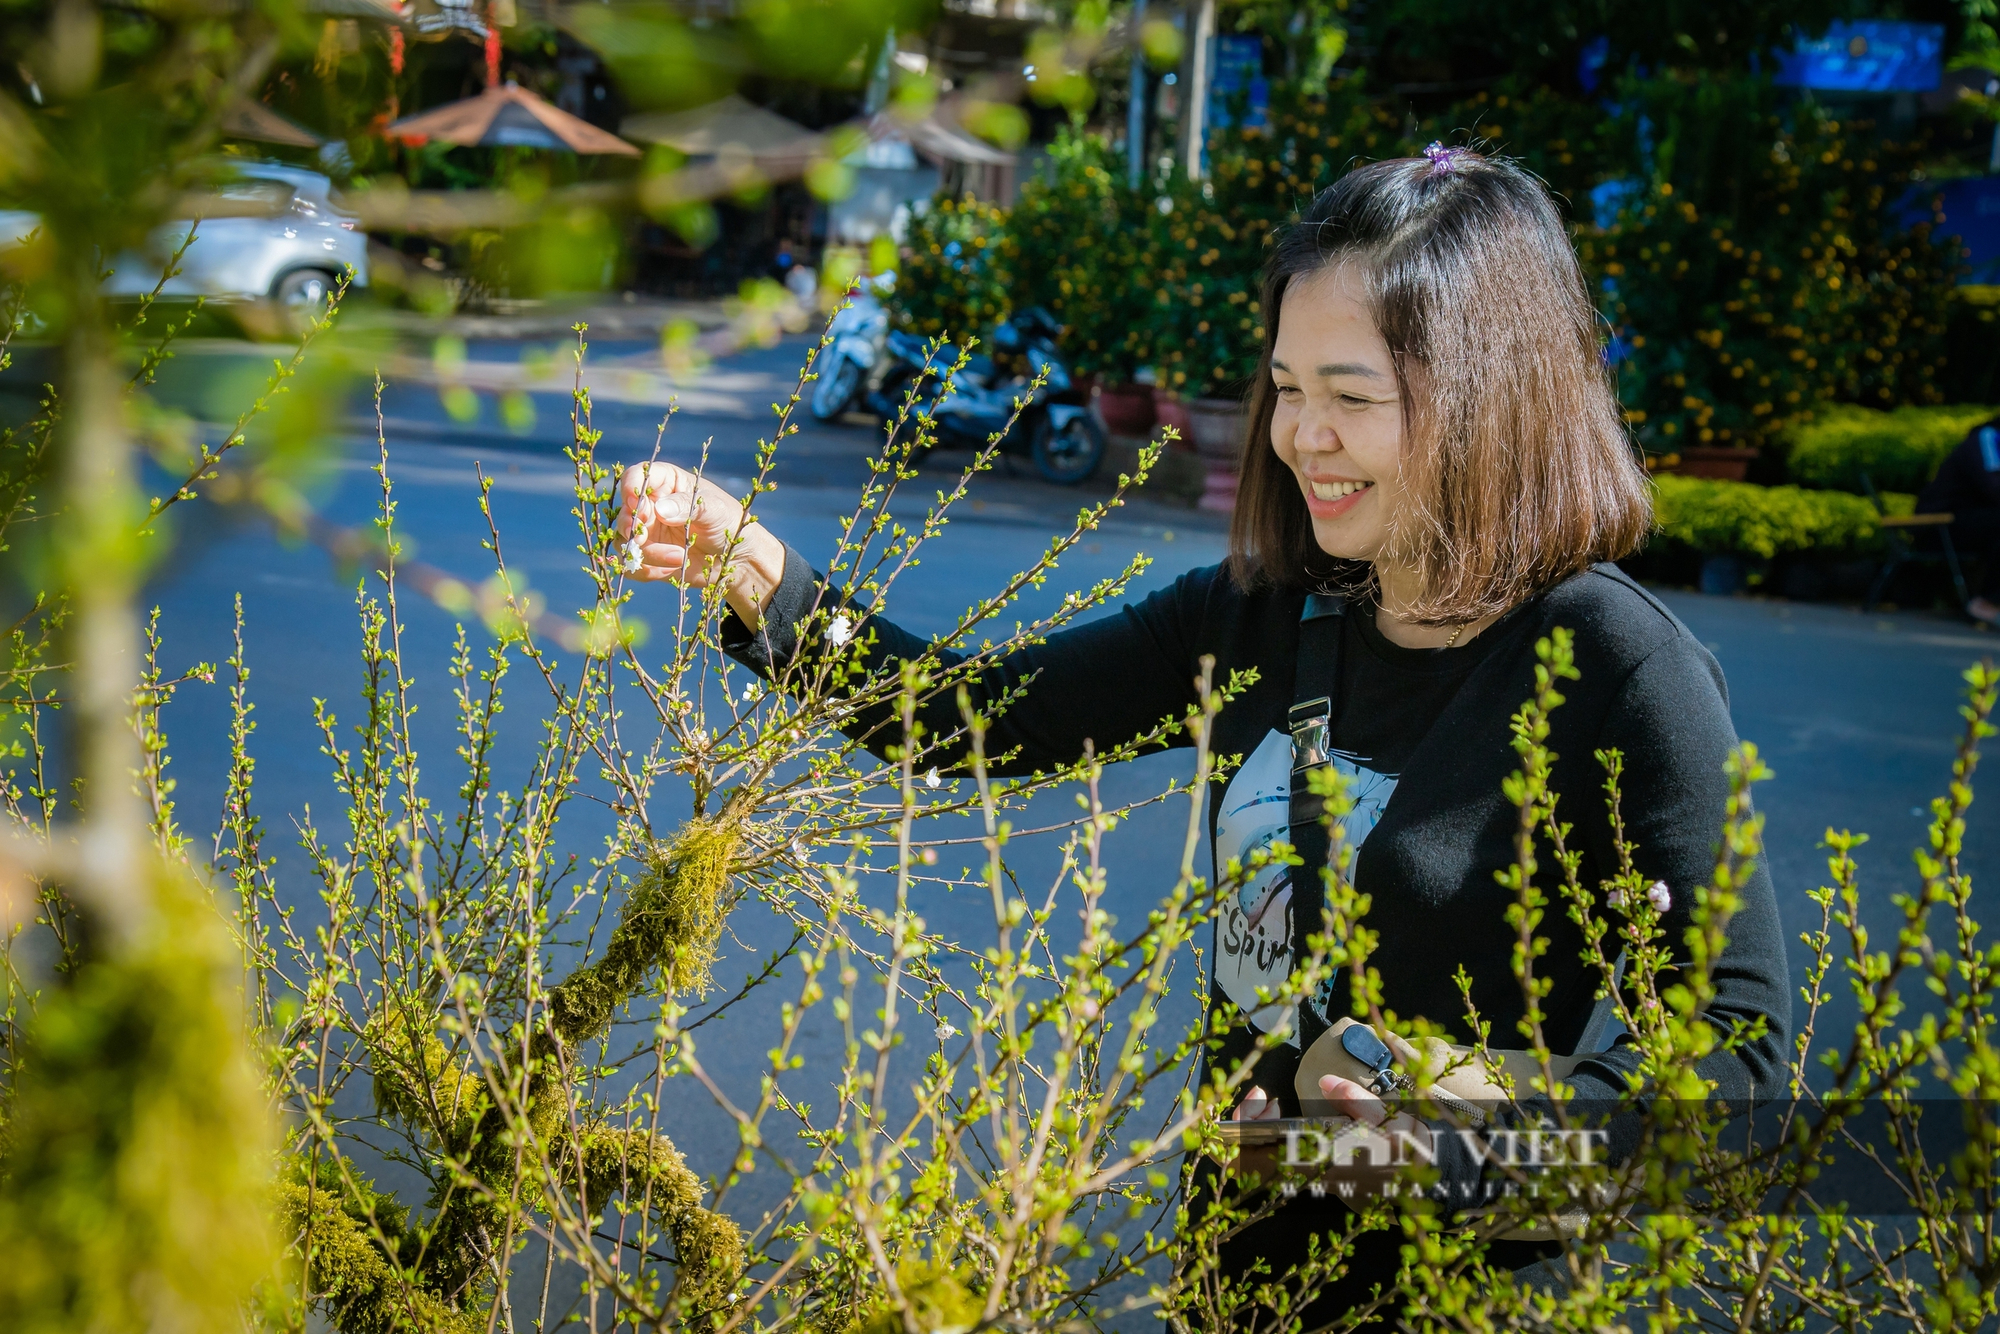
(1315, 692)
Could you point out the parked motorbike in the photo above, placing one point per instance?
(857, 332)
(1055, 430)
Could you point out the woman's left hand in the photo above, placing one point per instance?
(1257, 1105)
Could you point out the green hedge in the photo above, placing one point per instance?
(1899, 450)
(1742, 518)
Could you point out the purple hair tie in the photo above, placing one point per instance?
(1442, 159)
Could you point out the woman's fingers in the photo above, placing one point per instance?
(1356, 1102)
(1351, 1099)
(663, 560)
(641, 489)
(665, 502)
(1257, 1105)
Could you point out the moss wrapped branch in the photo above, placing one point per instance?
(644, 1166)
(417, 1079)
(347, 1272)
(943, 1301)
(671, 921)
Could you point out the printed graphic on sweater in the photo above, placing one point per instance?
(1253, 934)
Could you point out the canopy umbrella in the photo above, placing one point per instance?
(378, 11)
(381, 11)
(507, 114)
(731, 127)
(963, 162)
(246, 119)
(937, 140)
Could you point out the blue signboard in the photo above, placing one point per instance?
(1238, 78)
(1868, 57)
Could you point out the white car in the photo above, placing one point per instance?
(271, 233)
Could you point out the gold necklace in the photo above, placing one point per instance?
(1456, 633)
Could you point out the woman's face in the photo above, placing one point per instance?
(1338, 424)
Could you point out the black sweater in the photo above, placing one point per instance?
(1969, 477)
(1647, 689)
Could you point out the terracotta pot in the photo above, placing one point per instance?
(1218, 425)
(1721, 464)
(1126, 409)
(1171, 411)
(1218, 490)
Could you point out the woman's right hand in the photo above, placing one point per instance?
(678, 527)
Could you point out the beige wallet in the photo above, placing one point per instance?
(1457, 1080)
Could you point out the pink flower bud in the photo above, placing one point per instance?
(1659, 896)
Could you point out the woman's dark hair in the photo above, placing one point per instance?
(1517, 469)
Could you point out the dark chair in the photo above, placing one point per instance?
(1898, 534)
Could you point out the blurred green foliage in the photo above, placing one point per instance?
(1541, 40)
(138, 1139)
(1899, 450)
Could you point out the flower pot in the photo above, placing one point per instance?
(1218, 425)
(1126, 409)
(1723, 465)
(1170, 411)
(1218, 489)
(1722, 576)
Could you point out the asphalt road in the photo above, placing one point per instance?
(1856, 714)
(302, 639)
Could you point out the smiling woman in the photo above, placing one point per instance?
(1435, 454)
(1435, 481)
(1433, 386)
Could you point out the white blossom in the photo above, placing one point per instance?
(931, 779)
(1658, 895)
(749, 691)
(945, 1030)
(841, 630)
(635, 552)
